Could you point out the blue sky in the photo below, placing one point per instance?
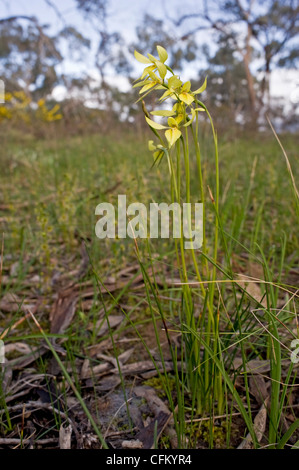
(123, 17)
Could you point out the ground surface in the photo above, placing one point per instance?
(55, 268)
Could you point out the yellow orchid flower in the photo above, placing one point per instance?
(147, 84)
(176, 89)
(172, 132)
(184, 95)
(155, 63)
(174, 83)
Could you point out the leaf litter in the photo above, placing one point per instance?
(38, 402)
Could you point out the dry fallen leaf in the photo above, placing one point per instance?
(146, 435)
(134, 444)
(258, 388)
(87, 371)
(20, 347)
(102, 324)
(65, 435)
(11, 303)
(259, 426)
(63, 312)
(162, 415)
(253, 289)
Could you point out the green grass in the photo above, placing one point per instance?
(85, 168)
(49, 191)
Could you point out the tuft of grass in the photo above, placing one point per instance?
(203, 349)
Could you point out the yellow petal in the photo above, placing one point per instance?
(172, 122)
(151, 146)
(146, 87)
(142, 83)
(146, 71)
(172, 135)
(153, 76)
(163, 56)
(154, 124)
(192, 118)
(141, 58)
(166, 94)
(174, 82)
(152, 58)
(179, 118)
(186, 86)
(163, 112)
(178, 108)
(202, 88)
(161, 69)
(186, 98)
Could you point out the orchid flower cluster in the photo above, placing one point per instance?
(185, 108)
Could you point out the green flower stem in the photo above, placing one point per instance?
(211, 321)
(195, 357)
(202, 193)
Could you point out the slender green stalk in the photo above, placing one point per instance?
(294, 426)
(230, 385)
